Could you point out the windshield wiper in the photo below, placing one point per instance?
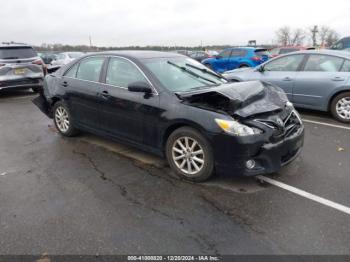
(191, 72)
(206, 71)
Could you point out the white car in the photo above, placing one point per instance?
(66, 58)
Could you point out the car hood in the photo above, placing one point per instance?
(241, 100)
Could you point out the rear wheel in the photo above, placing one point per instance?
(340, 107)
(190, 155)
(63, 120)
(243, 66)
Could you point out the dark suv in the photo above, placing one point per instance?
(20, 67)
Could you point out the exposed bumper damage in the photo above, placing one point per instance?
(43, 105)
(260, 105)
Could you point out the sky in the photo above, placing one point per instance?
(164, 22)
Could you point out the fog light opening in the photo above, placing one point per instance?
(250, 164)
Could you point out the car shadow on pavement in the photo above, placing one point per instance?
(6, 94)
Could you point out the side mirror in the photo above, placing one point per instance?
(140, 87)
(260, 69)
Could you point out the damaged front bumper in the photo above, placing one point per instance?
(237, 156)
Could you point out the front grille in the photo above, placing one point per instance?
(292, 124)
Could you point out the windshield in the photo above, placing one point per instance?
(182, 74)
(17, 52)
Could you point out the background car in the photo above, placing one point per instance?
(287, 49)
(47, 57)
(20, 67)
(201, 55)
(342, 44)
(318, 80)
(232, 58)
(66, 58)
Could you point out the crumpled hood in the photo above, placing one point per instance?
(242, 99)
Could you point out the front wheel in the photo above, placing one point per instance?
(340, 107)
(190, 155)
(63, 120)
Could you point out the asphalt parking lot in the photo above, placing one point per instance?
(87, 195)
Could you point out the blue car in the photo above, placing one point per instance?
(232, 58)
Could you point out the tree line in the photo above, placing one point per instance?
(316, 36)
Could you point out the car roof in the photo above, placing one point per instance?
(325, 52)
(11, 44)
(140, 54)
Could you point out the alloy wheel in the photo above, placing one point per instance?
(62, 119)
(188, 155)
(343, 108)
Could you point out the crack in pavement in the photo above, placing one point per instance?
(232, 214)
(201, 240)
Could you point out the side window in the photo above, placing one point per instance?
(287, 63)
(72, 72)
(346, 66)
(121, 73)
(323, 63)
(225, 53)
(238, 53)
(90, 69)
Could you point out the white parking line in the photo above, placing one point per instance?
(325, 124)
(305, 194)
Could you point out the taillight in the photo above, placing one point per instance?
(38, 62)
(257, 58)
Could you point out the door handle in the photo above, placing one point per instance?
(65, 84)
(105, 95)
(287, 79)
(337, 78)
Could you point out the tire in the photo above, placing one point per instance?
(196, 164)
(63, 120)
(243, 66)
(340, 107)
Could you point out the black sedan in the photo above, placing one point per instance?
(173, 106)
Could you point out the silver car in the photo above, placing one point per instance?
(318, 80)
(20, 67)
(65, 58)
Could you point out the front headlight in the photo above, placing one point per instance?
(236, 128)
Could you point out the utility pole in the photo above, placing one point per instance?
(314, 32)
(90, 41)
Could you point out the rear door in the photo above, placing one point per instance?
(82, 88)
(283, 72)
(236, 58)
(320, 76)
(221, 63)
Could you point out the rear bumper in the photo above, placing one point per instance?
(24, 83)
(268, 157)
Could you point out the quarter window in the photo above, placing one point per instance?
(323, 63)
(90, 69)
(121, 73)
(286, 64)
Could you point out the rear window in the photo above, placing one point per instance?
(17, 52)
